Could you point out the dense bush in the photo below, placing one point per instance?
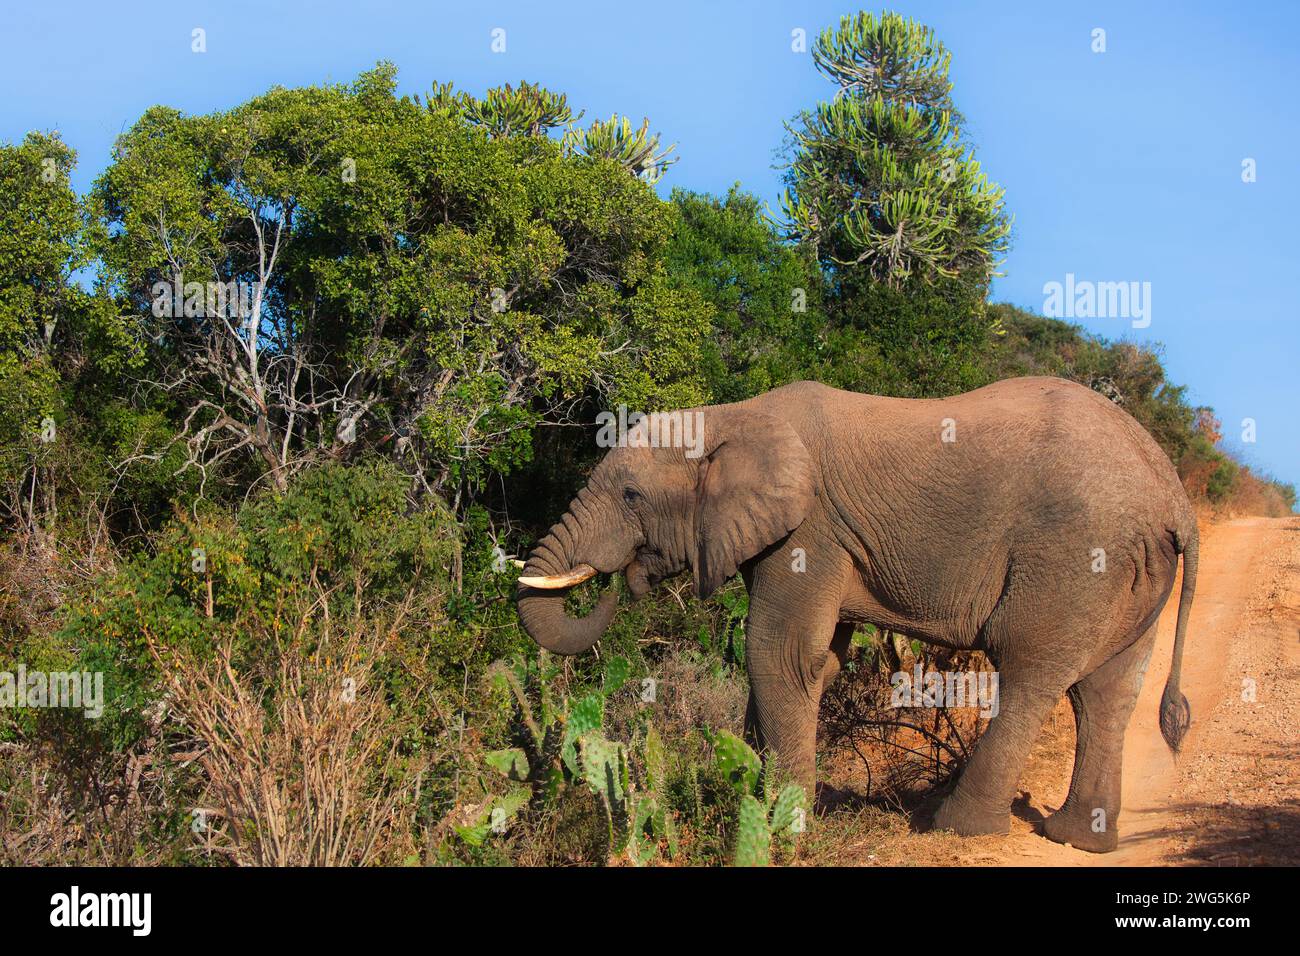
(328, 642)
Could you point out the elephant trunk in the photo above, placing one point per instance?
(541, 608)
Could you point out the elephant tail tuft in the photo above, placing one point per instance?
(1175, 711)
(1175, 717)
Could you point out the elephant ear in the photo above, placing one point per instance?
(755, 486)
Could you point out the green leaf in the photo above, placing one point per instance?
(511, 762)
(737, 761)
(476, 835)
(513, 801)
(703, 637)
(617, 671)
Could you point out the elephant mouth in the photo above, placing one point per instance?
(639, 578)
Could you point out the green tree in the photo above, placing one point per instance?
(637, 150)
(880, 179)
(429, 279)
(906, 228)
(62, 354)
(766, 294)
(39, 233)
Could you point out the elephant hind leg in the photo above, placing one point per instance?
(1103, 702)
(981, 801)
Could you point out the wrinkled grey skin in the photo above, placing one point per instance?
(985, 542)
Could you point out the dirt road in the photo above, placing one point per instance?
(1233, 796)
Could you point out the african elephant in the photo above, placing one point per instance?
(1032, 519)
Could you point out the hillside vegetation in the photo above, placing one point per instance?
(340, 360)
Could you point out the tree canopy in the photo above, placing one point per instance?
(427, 277)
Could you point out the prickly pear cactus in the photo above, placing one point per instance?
(588, 714)
(761, 815)
(654, 758)
(568, 745)
(617, 671)
(643, 845)
(604, 770)
(604, 767)
(753, 836)
(512, 762)
(584, 717)
(789, 811)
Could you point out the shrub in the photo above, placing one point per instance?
(305, 761)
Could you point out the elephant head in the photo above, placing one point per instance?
(656, 507)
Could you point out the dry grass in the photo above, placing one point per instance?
(890, 756)
(689, 695)
(60, 804)
(307, 773)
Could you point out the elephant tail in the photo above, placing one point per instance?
(1175, 711)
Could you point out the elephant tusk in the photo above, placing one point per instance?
(568, 579)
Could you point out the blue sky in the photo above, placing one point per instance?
(1119, 166)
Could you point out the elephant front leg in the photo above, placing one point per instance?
(787, 652)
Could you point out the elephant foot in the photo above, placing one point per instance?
(1074, 828)
(965, 820)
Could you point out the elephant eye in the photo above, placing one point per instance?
(631, 495)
